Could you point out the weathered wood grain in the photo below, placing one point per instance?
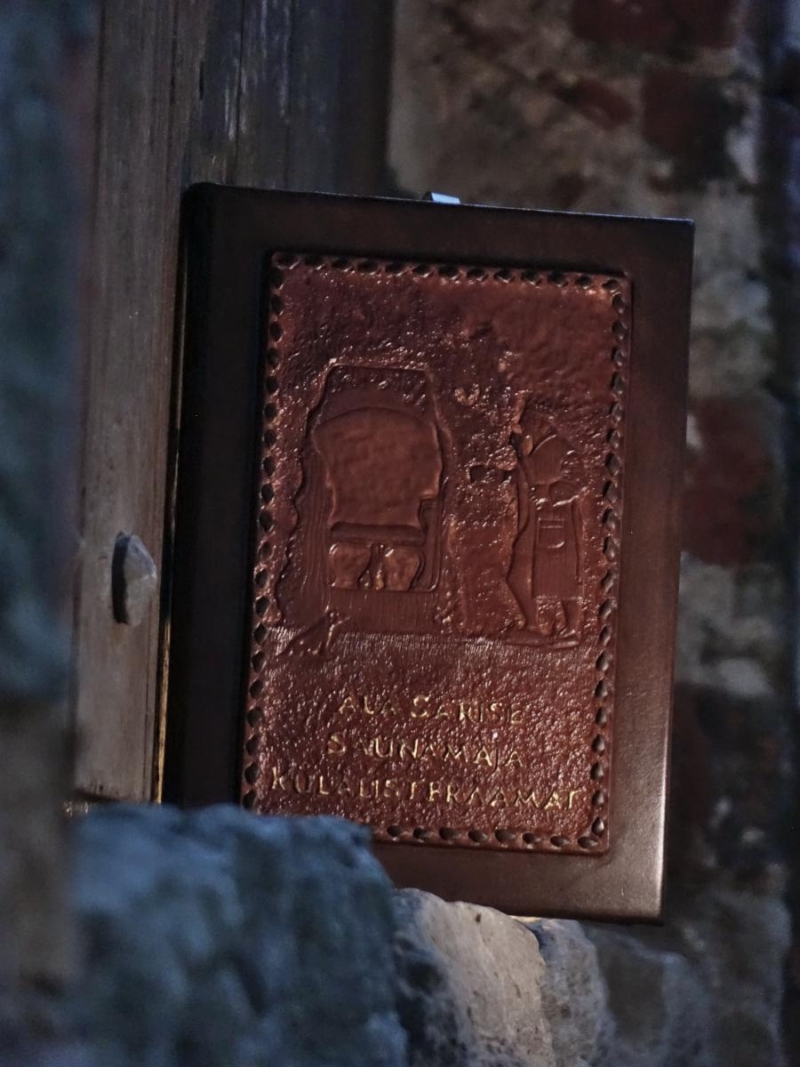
(127, 391)
(264, 121)
(265, 93)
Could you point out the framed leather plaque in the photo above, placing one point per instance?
(426, 546)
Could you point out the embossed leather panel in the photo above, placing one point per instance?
(436, 551)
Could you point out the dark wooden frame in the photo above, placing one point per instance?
(230, 233)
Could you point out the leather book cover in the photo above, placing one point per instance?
(452, 493)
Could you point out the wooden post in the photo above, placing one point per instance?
(270, 93)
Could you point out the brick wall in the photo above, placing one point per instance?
(676, 108)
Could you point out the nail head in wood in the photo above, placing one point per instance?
(134, 579)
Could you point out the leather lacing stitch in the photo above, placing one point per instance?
(264, 553)
(612, 492)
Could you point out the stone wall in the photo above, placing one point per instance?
(219, 938)
(42, 44)
(659, 107)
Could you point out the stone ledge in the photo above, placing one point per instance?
(216, 938)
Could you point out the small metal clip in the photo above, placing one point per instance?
(440, 198)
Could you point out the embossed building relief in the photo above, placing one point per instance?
(437, 541)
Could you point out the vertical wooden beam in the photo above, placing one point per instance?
(365, 76)
(316, 61)
(127, 389)
(264, 93)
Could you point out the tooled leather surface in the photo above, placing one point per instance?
(437, 551)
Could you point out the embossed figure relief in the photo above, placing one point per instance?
(383, 471)
(369, 507)
(546, 572)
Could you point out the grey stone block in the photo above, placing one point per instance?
(478, 989)
(707, 992)
(574, 995)
(216, 938)
(739, 943)
(661, 1011)
(470, 986)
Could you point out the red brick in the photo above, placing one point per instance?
(598, 102)
(673, 118)
(688, 117)
(648, 24)
(566, 189)
(729, 510)
(657, 25)
(707, 23)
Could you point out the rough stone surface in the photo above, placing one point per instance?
(574, 995)
(661, 1009)
(471, 986)
(479, 989)
(658, 108)
(218, 938)
(706, 990)
(39, 40)
(37, 347)
(738, 942)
